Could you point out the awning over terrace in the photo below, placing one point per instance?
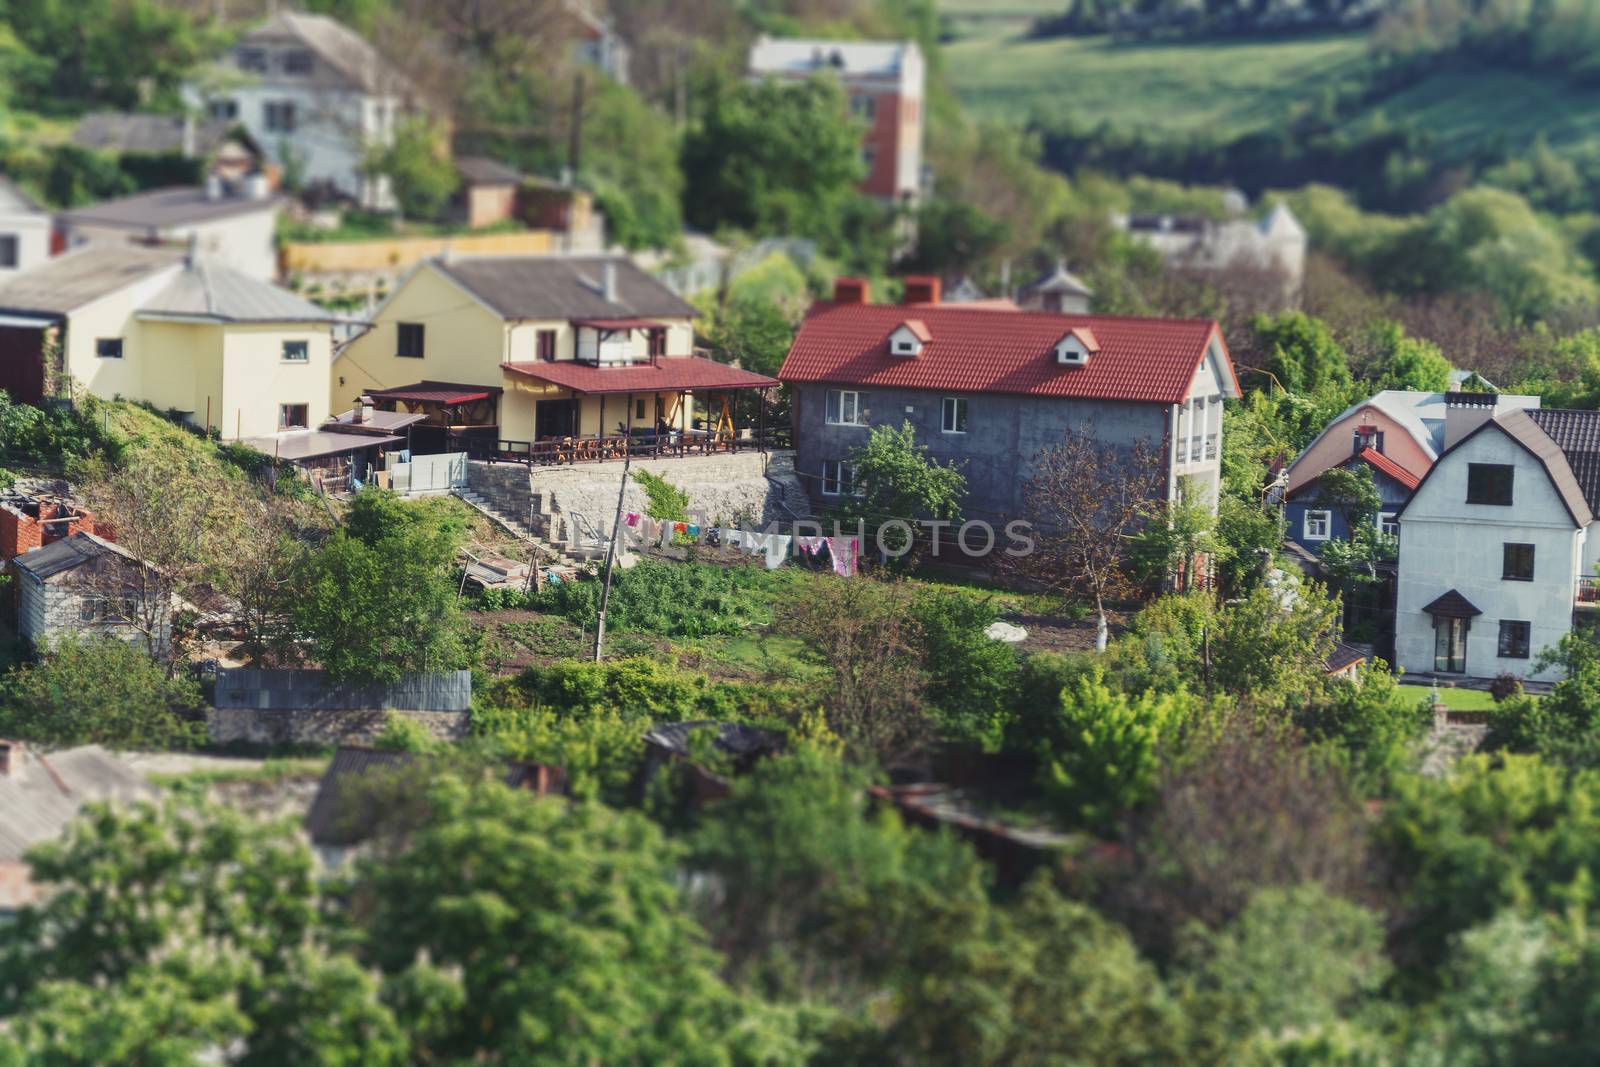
(676, 374)
(444, 394)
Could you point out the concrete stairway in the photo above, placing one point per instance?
(504, 493)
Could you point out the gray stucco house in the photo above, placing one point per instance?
(990, 388)
(71, 587)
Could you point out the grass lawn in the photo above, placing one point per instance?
(1457, 699)
(1220, 88)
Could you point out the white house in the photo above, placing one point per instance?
(1496, 550)
(24, 230)
(316, 97)
(230, 223)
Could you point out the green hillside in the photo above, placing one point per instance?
(1221, 87)
(1225, 89)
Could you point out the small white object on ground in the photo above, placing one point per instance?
(1005, 631)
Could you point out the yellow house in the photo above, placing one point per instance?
(540, 355)
(183, 334)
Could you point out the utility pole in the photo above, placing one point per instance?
(575, 131)
(611, 558)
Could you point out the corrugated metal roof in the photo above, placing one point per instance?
(83, 276)
(977, 350)
(36, 805)
(210, 291)
(480, 170)
(563, 287)
(667, 374)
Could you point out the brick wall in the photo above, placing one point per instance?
(22, 532)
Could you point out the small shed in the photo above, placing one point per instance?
(488, 190)
(79, 584)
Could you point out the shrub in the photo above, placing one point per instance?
(665, 500)
(672, 599)
(1505, 686)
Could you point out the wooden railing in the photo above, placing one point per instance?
(571, 450)
(1588, 591)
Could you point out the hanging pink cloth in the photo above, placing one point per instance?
(631, 519)
(843, 550)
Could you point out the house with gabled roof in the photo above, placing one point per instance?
(988, 389)
(175, 330)
(1498, 546)
(1396, 434)
(25, 230)
(315, 96)
(552, 358)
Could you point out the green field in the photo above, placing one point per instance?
(1218, 87)
(1225, 89)
(1457, 699)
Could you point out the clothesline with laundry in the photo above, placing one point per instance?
(842, 552)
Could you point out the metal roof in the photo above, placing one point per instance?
(446, 393)
(375, 422)
(221, 294)
(296, 446)
(83, 276)
(67, 554)
(665, 375)
(161, 209)
(147, 134)
(563, 287)
(980, 350)
(37, 804)
(481, 170)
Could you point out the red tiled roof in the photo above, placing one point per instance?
(979, 350)
(436, 393)
(670, 373)
(1390, 467)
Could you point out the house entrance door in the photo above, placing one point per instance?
(1450, 645)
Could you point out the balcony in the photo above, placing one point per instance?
(1588, 595)
(1211, 446)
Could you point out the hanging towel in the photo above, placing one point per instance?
(777, 551)
(694, 531)
(631, 519)
(843, 550)
(680, 527)
(810, 545)
(666, 534)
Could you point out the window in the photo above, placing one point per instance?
(1517, 565)
(88, 609)
(252, 59)
(1319, 525)
(658, 342)
(546, 340)
(638, 410)
(868, 156)
(296, 351)
(223, 110)
(279, 116)
(108, 348)
(906, 345)
(1514, 639)
(408, 340)
(1388, 524)
(293, 416)
(844, 408)
(8, 250)
(1489, 483)
(297, 61)
(839, 478)
(1367, 437)
(955, 414)
(864, 106)
(1450, 645)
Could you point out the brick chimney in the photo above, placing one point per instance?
(850, 291)
(922, 289)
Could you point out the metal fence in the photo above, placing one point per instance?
(308, 690)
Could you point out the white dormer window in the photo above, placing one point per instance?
(908, 339)
(1076, 347)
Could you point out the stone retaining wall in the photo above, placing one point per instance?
(277, 726)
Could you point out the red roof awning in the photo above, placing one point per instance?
(445, 393)
(620, 324)
(1381, 462)
(669, 374)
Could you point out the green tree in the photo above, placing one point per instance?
(103, 691)
(1302, 352)
(665, 500)
(1180, 542)
(895, 479)
(417, 163)
(1564, 725)
(1294, 959)
(1408, 362)
(773, 159)
(1352, 492)
(377, 600)
(115, 53)
(1103, 756)
(752, 332)
(970, 675)
(562, 928)
(1253, 535)
(1271, 646)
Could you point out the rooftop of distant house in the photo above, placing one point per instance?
(803, 56)
(140, 133)
(348, 56)
(564, 287)
(159, 209)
